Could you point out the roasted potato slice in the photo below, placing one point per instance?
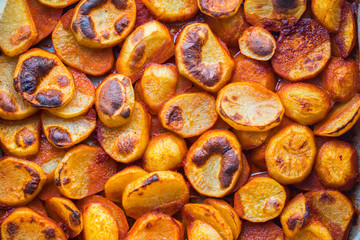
(219, 8)
(261, 231)
(43, 80)
(49, 190)
(314, 230)
(20, 182)
(213, 163)
(166, 189)
(87, 60)
(38, 206)
(328, 13)
(248, 106)
(149, 43)
(200, 230)
(68, 216)
(17, 27)
(104, 23)
(201, 58)
(250, 140)
(58, 3)
(83, 171)
(303, 50)
(25, 224)
(128, 142)
(114, 100)
(189, 114)
(260, 200)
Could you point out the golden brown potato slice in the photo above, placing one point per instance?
(248, 106)
(294, 215)
(114, 100)
(340, 119)
(257, 43)
(17, 28)
(328, 13)
(270, 14)
(314, 230)
(201, 58)
(116, 185)
(65, 133)
(20, 138)
(213, 163)
(57, 3)
(66, 214)
(337, 165)
(261, 231)
(87, 60)
(250, 140)
(83, 171)
(200, 230)
(128, 142)
(20, 181)
(303, 51)
(25, 224)
(104, 23)
(43, 80)
(166, 189)
(219, 8)
(149, 43)
(164, 152)
(189, 114)
(260, 200)
(38, 206)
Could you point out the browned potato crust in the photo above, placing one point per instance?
(219, 8)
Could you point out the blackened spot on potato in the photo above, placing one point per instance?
(12, 228)
(87, 28)
(125, 113)
(24, 138)
(65, 180)
(283, 6)
(86, 7)
(110, 97)
(7, 103)
(293, 221)
(63, 80)
(137, 56)
(121, 24)
(173, 117)
(259, 44)
(74, 215)
(57, 181)
(148, 225)
(127, 145)
(150, 180)
(59, 136)
(33, 184)
(49, 233)
(120, 4)
(326, 198)
(49, 98)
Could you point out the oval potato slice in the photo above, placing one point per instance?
(328, 13)
(57, 3)
(219, 8)
(200, 230)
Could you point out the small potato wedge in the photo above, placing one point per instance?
(250, 140)
(218, 8)
(267, 230)
(200, 230)
(328, 13)
(57, 3)
(314, 230)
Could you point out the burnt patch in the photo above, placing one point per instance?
(150, 180)
(12, 228)
(119, 4)
(127, 145)
(63, 80)
(121, 24)
(293, 221)
(7, 103)
(74, 215)
(148, 226)
(31, 186)
(49, 233)
(173, 117)
(24, 138)
(49, 98)
(137, 56)
(125, 113)
(88, 5)
(259, 44)
(111, 97)
(65, 180)
(326, 198)
(59, 136)
(283, 6)
(86, 26)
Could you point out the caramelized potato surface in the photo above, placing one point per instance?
(218, 8)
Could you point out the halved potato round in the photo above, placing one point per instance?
(260, 200)
(303, 50)
(166, 189)
(267, 230)
(43, 80)
(290, 154)
(314, 230)
(328, 13)
(128, 142)
(115, 100)
(104, 23)
(83, 171)
(201, 58)
(200, 230)
(250, 140)
(219, 8)
(57, 3)
(249, 106)
(213, 163)
(189, 114)
(25, 224)
(20, 181)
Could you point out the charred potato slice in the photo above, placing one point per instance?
(200, 230)
(328, 13)
(213, 163)
(250, 140)
(314, 230)
(267, 230)
(43, 80)
(114, 100)
(260, 200)
(57, 3)
(149, 43)
(128, 142)
(167, 190)
(248, 106)
(201, 58)
(104, 23)
(303, 50)
(219, 8)
(24, 178)
(83, 171)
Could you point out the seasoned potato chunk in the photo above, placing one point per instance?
(314, 230)
(262, 231)
(328, 13)
(57, 3)
(219, 8)
(200, 230)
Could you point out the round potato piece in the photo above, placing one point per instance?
(305, 103)
(116, 185)
(114, 100)
(267, 230)
(128, 142)
(201, 58)
(250, 140)
(248, 106)
(328, 13)
(303, 50)
(87, 60)
(166, 189)
(337, 165)
(290, 154)
(149, 43)
(12, 105)
(43, 80)
(260, 200)
(67, 215)
(104, 23)
(25, 179)
(314, 230)
(164, 152)
(65, 133)
(25, 224)
(83, 171)
(257, 43)
(271, 13)
(219, 8)
(213, 163)
(57, 3)
(189, 114)
(200, 230)
(155, 226)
